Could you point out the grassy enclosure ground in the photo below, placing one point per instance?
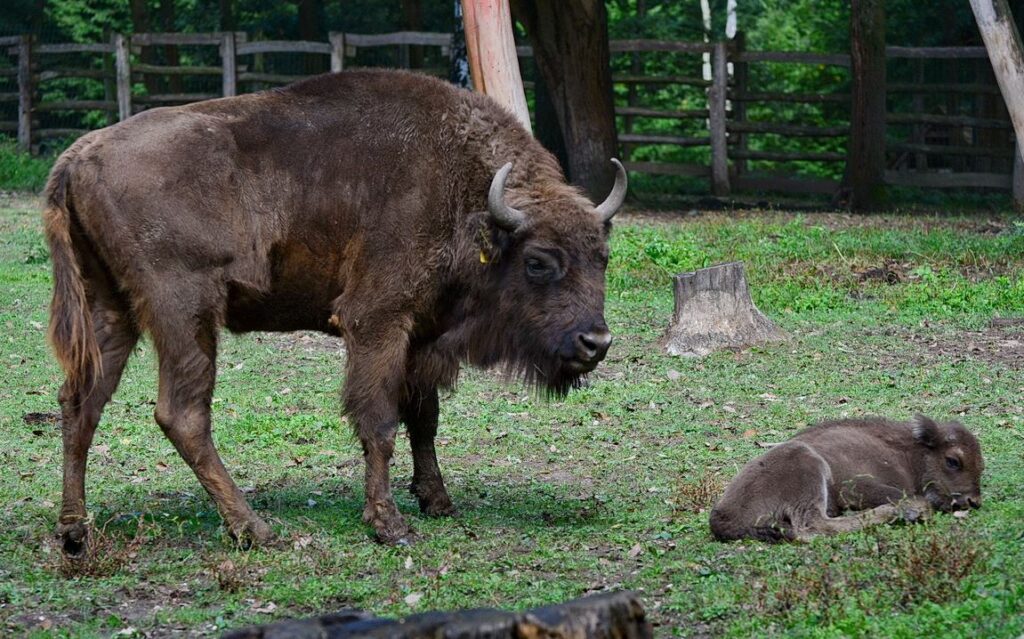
(607, 489)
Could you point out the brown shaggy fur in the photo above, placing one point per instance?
(881, 469)
(352, 203)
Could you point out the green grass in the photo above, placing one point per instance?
(607, 489)
(21, 171)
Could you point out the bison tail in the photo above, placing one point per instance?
(71, 332)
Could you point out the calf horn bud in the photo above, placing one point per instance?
(607, 209)
(504, 215)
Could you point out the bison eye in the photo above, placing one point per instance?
(536, 268)
(541, 270)
(953, 463)
(543, 266)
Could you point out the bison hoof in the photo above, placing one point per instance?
(434, 502)
(389, 527)
(394, 533)
(252, 533)
(914, 512)
(74, 537)
(438, 507)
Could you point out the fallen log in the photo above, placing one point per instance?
(606, 616)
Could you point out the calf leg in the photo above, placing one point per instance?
(187, 355)
(81, 408)
(419, 412)
(909, 510)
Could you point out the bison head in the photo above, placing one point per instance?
(546, 255)
(951, 464)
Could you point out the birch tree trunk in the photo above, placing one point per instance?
(493, 64)
(1002, 40)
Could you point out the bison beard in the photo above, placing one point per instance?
(418, 221)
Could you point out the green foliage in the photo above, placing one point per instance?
(778, 25)
(88, 20)
(21, 171)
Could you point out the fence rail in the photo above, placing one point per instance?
(967, 149)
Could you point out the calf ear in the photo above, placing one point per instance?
(926, 431)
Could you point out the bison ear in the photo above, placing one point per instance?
(492, 240)
(926, 431)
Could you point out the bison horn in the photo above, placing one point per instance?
(607, 209)
(504, 215)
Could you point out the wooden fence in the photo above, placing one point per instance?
(962, 140)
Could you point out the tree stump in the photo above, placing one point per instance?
(714, 312)
(608, 616)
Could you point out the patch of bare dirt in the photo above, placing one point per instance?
(305, 341)
(135, 610)
(20, 200)
(1001, 343)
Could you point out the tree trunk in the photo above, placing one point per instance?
(412, 18)
(141, 24)
(570, 46)
(1002, 40)
(865, 163)
(171, 59)
(714, 311)
(227, 15)
(548, 130)
(310, 14)
(494, 66)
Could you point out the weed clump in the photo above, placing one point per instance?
(106, 553)
(698, 494)
(919, 564)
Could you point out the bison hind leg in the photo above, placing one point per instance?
(82, 403)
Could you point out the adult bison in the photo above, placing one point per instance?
(418, 221)
(885, 470)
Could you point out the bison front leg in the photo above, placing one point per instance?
(420, 412)
(372, 389)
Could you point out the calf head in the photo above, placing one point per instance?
(951, 464)
(547, 257)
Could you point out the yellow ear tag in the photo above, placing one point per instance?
(483, 257)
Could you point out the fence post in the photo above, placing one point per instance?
(741, 77)
(109, 85)
(716, 117)
(920, 159)
(229, 63)
(337, 51)
(25, 93)
(122, 64)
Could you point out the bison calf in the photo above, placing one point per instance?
(886, 470)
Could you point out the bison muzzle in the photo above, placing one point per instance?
(418, 221)
(882, 470)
